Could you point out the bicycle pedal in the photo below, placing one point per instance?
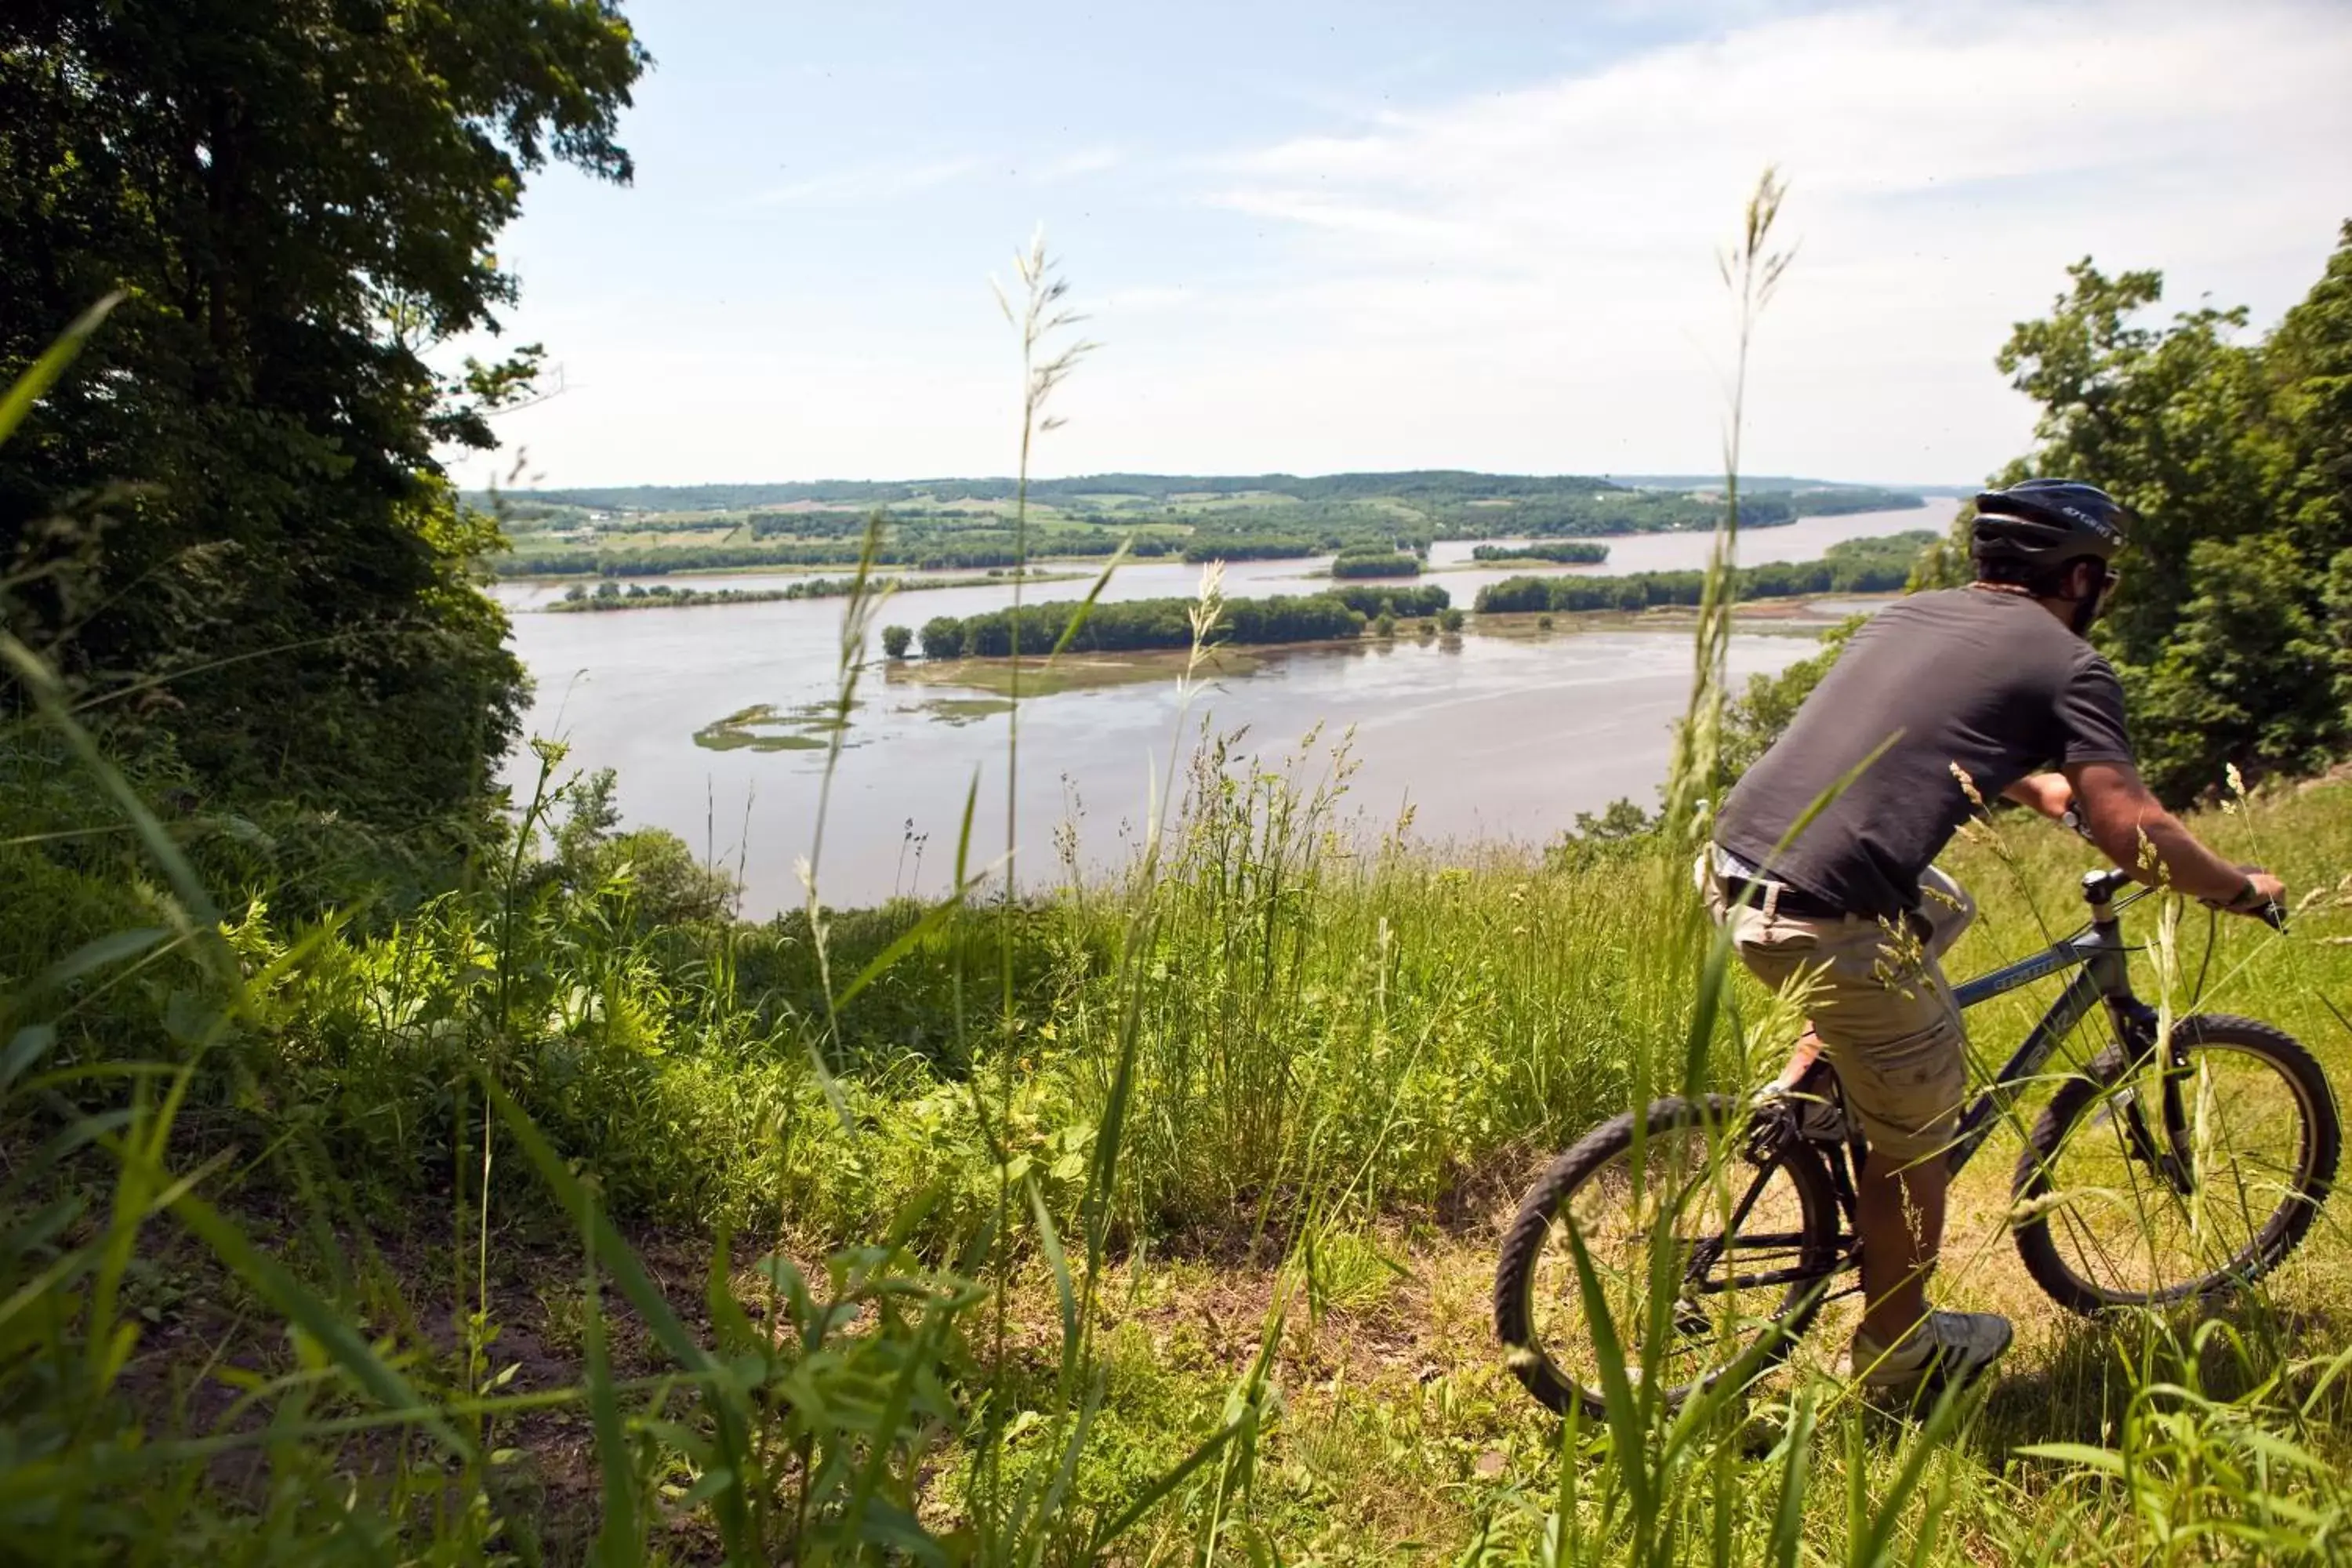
(1768, 1135)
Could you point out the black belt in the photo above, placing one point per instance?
(1792, 901)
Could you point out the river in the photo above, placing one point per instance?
(1481, 737)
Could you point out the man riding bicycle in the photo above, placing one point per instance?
(1941, 702)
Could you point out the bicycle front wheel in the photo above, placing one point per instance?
(1701, 1247)
(2148, 1183)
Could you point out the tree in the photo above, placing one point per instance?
(2310, 360)
(2230, 629)
(1613, 836)
(648, 870)
(896, 640)
(2248, 676)
(942, 637)
(236, 490)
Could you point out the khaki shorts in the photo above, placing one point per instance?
(1880, 1003)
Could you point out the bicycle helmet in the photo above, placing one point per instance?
(2049, 522)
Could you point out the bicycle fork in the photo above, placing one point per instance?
(2172, 1160)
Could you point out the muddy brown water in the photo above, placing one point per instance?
(1482, 737)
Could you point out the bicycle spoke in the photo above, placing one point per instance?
(2119, 1216)
(1725, 1241)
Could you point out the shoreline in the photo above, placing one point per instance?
(1084, 671)
(794, 568)
(788, 569)
(702, 599)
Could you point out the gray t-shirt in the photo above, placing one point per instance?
(1990, 681)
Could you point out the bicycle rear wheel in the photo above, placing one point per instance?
(2149, 1183)
(1746, 1249)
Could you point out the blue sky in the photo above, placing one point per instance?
(1372, 236)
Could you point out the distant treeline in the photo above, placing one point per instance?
(1658, 511)
(810, 524)
(1406, 603)
(1227, 547)
(663, 596)
(1376, 563)
(1575, 552)
(666, 596)
(1328, 516)
(1140, 624)
(1857, 566)
(901, 522)
(971, 550)
(1435, 486)
(1844, 502)
(1773, 484)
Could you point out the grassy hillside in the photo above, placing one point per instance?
(1205, 1163)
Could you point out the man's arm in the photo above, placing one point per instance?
(2118, 812)
(2048, 793)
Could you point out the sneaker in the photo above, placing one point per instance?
(1952, 1348)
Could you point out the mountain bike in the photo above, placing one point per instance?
(2176, 1166)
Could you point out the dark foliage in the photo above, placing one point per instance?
(234, 492)
(1854, 566)
(1376, 563)
(970, 550)
(1426, 599)
(1574, 552)
(1235, 547)
(2232, 631)
(1140, 624)
(1658, 511)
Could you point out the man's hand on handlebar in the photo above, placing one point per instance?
(2131, 827)
(2264, 897)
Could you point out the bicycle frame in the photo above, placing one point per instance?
(2104, 977)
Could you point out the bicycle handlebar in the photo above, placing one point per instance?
(2099, 887)
(2269, 911)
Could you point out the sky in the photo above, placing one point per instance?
(1314, 236)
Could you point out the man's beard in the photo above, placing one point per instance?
(2095, 603)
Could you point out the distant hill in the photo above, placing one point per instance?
(1418, 487)
(1776, 484)
(648, 530)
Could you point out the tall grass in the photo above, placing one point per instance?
(1129, 1220)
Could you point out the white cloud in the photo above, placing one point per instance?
(1521, 280)
(1530, 272)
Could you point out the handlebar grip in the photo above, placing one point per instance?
(2269, 911)
(2272, 913)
